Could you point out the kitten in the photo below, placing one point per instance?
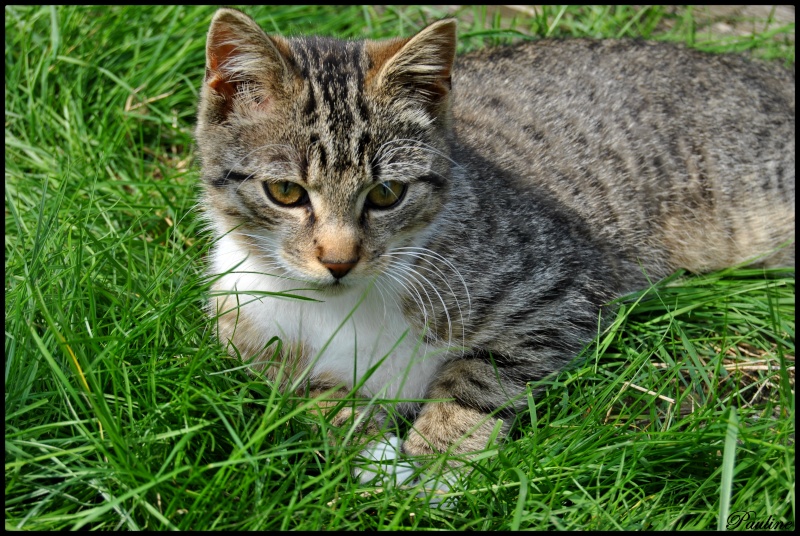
(454, 226)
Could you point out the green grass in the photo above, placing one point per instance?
(123, 412)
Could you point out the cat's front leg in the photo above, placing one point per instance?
(470, 406)
(380, 454)
(472, 400)
(451, 427)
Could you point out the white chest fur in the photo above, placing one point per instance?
(359, 336)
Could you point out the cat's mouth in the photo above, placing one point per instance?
(333, 290)
(338, 286)
(334, 287)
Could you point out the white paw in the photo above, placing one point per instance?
(381, 465)
(381, 461)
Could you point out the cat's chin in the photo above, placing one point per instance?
(334, 288)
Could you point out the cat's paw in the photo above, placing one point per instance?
(381, 464)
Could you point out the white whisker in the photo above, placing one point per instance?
(422, 256)
(411, 144)
(404, 282)
(430, 265)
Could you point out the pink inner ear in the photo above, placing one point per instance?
(219, 51)
(218, 83)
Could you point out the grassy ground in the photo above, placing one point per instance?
(122, 411)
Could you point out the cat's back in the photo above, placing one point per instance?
(659, 147)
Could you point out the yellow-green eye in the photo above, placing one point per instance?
(386, 195)
(287, 194)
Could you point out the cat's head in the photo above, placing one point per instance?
(321, 155)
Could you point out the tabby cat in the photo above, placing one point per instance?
(412, 225)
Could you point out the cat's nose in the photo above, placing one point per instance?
(339, 269)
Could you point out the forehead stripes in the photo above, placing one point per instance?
(333, 101)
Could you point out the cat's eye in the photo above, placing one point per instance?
(285, 193)
(386, 195)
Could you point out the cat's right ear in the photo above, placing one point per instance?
(246, 69)
(419, 67)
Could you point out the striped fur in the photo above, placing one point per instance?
(538, 182)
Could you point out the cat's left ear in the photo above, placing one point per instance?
(419, 67)
(245, 68)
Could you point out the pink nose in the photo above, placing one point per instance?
(339, 269)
